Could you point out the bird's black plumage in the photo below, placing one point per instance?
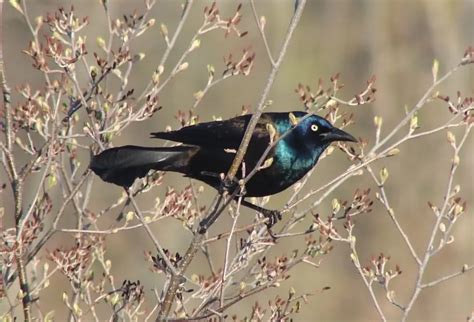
(209, 148)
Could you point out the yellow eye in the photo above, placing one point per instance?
(314, 127)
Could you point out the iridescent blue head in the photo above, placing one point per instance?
(311, 136)
(318, 131)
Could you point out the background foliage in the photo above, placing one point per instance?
(395, 40)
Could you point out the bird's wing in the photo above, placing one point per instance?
(218, 134)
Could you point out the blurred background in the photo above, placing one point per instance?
(396, 40)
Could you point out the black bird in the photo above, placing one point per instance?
(209, 148)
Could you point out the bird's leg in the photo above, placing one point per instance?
(211, 218)
(272, 215)
(228, 190)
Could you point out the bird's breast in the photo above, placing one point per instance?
(290, 164)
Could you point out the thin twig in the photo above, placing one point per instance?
(227, 251)
(440, 215)
(160, 249)
(463, 270)
(391, 213)
(184, 17)
(355, 260)
(262, 32)
(261, 105)
(17, 187)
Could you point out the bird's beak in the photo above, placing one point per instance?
(338, 135)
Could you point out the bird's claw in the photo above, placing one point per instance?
(203, 226)
(273, 217)
(229, 185)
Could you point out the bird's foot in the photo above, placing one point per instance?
(203, 226)
(232, 186)
(273, 217)
(226, 185)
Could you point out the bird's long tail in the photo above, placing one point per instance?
(122, 165)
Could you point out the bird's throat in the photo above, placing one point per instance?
(294, 163)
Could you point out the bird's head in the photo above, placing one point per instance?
(308, 135)
(318, 131)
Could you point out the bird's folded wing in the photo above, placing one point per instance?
(218, 134)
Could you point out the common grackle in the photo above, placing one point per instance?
(209, 149)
